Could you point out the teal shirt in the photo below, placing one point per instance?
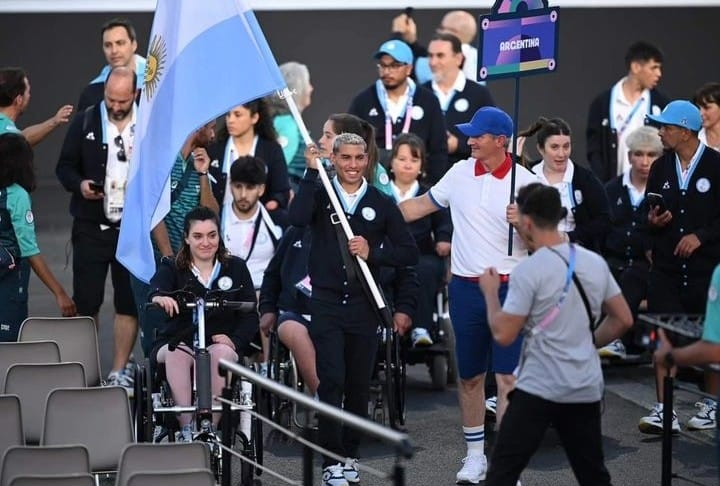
(711, 328)
(20, 239)
(7, 125)
(292, 143)
(188, 198)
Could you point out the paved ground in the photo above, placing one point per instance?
(433, 423)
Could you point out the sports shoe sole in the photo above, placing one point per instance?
(707, 426)
(646, 428)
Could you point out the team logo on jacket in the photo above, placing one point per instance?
(666, 185)
(225, 283)
(619, 201)
(368, 213)
(383, 179)
(90, 136)
(712, 294)
(462, 105)
(417, 113)
(655, 110)
(578, 196)
(29, 217)
(703, 184)
(215, 163)
(373, 112)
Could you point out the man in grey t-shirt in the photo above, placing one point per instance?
(559, 380)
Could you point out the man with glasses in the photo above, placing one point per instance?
(93, 166)
(395, 104)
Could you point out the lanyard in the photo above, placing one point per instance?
(213, 275)
(552, 315)
(627, 121)
(385, 103)
(684, 181)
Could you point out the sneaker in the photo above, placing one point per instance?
(705, 418)
(614, 350)
(333, 476)
(473, 471)
(186, 433)
(119, 378)
(351, 471)
(653, 423)
(491, 406)
(421, 337)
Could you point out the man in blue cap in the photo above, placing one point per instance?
(395, 105)
(683, 193)
(477, 191)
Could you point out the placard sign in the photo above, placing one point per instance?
(518, 38)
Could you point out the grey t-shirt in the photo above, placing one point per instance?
(560, 363)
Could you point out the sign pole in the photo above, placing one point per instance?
(515, 157)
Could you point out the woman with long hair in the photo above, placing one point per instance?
(588, 211)
(202, 265)
(18, 244)
(248, 130)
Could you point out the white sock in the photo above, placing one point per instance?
(475, 440)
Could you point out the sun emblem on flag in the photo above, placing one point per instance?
(155, 65)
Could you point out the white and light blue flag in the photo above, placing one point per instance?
(204, 58)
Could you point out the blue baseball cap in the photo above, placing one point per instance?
(396, 49)
(680, 113)
(488, 119)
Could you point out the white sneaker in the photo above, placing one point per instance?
(351, 471)
(120, 378)
(333, 476)
(473, 471)
(613, 350)
(421, 337)
(705, 418)
(653, 423)
(491, 406)
(185, 434)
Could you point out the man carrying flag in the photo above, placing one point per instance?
(183, 48)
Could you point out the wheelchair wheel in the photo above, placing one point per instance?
(394, 386)
(449, 334)
(439, 371)
(143, 406)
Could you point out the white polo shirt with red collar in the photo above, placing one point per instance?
(478, 202)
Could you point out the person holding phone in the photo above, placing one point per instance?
(685, 236)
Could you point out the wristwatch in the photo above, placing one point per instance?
(201, 173)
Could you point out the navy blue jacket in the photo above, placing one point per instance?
(376, 218)
(476, 96)
(240, 327)
(693, 211)
(430, 128)
(628, 238)
(84, 156)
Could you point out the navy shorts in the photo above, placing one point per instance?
(293, 316)
(473, 338)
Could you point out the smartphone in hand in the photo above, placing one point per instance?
(97, 187)
(656, 200)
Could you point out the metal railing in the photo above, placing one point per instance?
(400, 442)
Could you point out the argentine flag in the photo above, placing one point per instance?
(204, 58)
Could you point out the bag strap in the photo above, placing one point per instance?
(583, 295)
(348, 261)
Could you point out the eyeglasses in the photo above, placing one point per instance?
(119, 143)
(390, 67)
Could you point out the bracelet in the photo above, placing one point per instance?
(201, 173)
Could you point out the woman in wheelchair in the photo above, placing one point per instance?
(432, 233)
(202, 267)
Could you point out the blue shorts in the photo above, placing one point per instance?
(473, 340)
(292, 316)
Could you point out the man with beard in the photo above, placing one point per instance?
(93, 166)
(395, 104)
(458, 96)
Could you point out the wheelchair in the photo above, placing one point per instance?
(387, 386)
(440, 356)
(284, 370)
(155, 411)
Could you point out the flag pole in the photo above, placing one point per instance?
(375, 291)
